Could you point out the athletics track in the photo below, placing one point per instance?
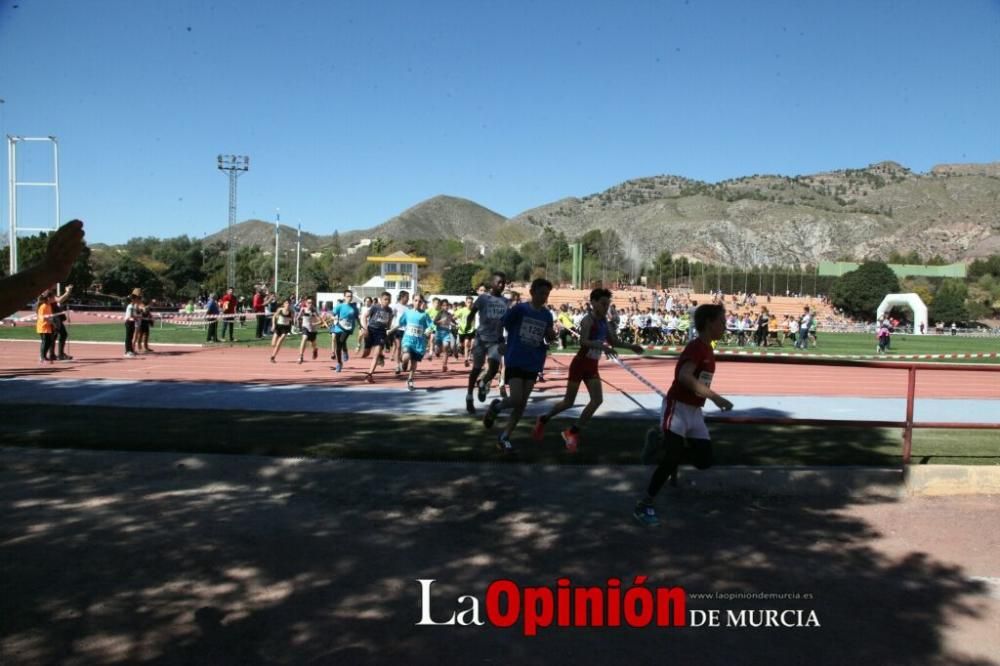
(224, 377)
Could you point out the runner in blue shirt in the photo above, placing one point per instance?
(529, 331)
(345, 319)
(414, 324)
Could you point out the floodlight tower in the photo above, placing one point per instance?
(235, 165)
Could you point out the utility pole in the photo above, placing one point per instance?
(277, 231)
(235, 165)
(298, 257)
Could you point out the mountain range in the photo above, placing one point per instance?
(953, 212)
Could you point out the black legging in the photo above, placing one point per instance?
(340, 344)
(61, 336)
(699, 453)
(129, 334)
(46, 340)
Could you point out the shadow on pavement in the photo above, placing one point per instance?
(166, 559)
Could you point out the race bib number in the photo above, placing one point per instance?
(532, 332)
(346, 324)
(706, 378)
(495, 311)
(415, 331)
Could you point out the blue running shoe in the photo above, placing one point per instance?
(645, 514)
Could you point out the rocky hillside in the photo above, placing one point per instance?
(952, 211)
(260, 233)
(448, 217)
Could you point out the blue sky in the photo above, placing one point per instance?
(353, 111)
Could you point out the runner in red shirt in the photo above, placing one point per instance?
(597, 337)
(682, 422)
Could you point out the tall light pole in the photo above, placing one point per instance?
(235, 165)
(277, 231)
(298, 256)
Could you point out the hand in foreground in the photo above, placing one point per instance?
(63, 249)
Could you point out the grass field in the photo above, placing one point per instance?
(606, 441)
(830, 343)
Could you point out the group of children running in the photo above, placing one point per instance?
(502, 337)
(682, 434)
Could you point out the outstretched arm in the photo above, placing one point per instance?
(63, 248)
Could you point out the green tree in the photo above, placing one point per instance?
(505, 259)
(128, 274)
(458, 279)
(859, 292)
(987, 266)
(949, 302)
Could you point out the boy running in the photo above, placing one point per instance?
(414, 323)
(529, 330)
(443, 340)
(281, 324)
(596, 337)
(395, 340)
(308, 321)
(682, 422)
(486, 350)
(345, 317)
(466, 329)
(379, 320)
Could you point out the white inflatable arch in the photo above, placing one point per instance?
(911, 301)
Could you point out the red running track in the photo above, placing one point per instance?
(251, 365)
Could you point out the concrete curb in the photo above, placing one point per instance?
(928, 480)
(912, 481)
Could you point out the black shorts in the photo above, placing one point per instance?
(342, 336)
(520, 373)
(309, 335)
(375, 338)
(282, 329)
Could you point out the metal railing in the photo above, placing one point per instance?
(908, 424)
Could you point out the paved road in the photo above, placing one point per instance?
(170, 559)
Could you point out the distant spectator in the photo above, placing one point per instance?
(212, 313)
(228, 305)
(258, 307)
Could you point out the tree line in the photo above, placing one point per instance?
(181, 268)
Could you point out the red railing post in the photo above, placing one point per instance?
(911, 385)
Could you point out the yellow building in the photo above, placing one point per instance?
(398, 273)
